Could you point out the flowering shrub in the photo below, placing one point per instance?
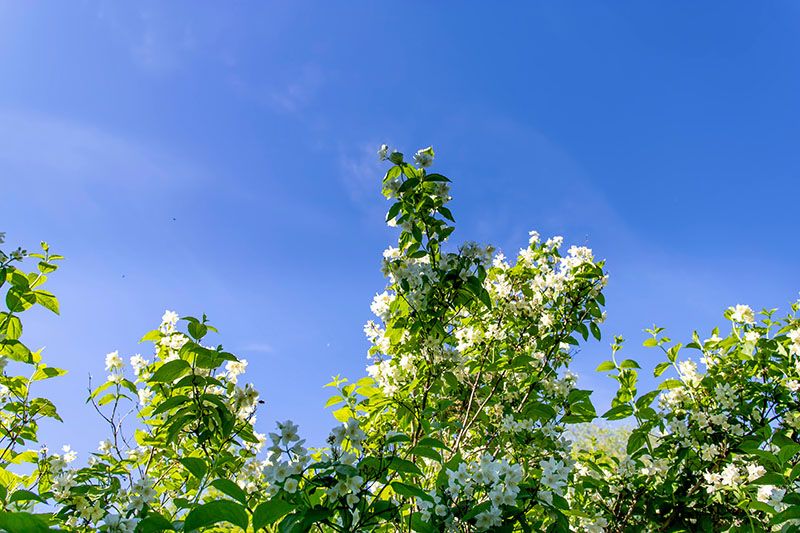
(469, 418)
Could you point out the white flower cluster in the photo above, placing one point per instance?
(554, 478)
(742, 314)
(171, 341)
(245, 401)
(794, 346)
(349, 432)
(119, 524)
(234, 369)
(487, 479)
(286, 442)
(114, 365)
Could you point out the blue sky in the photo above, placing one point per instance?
(221, 158)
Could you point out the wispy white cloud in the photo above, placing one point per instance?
(289, 92)
(61, 159)
(159, 50)
(256, 347)
(360, 170)
(161, 37)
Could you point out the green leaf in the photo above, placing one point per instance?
(153, 336)
(333, 400)
(197, 330)
(446, 214)
(770, 478)
(47, 372)
(18, 300)
(344, 414)
(270, 512)
(629, 363)
(410, 491)
(402, 465)
(214, 512)
(24, 495)
(397, 437)
(619, 412)
(195, 465)
(170, 371)
(661, 368)
(595, 329)
(636, 440)
(410, 183)
(646, 399)
(229, 488)
(13, 326)
(670, 384)
(22, 523)
(16, 350)
(423, 451)
(393, 211)
(44, 407)
(46, 268)
(652, 341)
(170, 403)
(47, 300)
(154, 522)
(605, 366)
(433, 443)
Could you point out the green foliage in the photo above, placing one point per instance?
(469, 419)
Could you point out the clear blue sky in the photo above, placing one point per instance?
(220, 158)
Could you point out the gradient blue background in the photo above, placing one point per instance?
(220, 158)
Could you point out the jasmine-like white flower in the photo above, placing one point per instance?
(113, 361)
(105, 446)
(424, 157)
(290, 485)
(742, 314)
(383, 152)
(755, 471)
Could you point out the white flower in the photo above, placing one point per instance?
(138, 363)
(2, 237)
(730, 475)
(69, 454)
(424, 157)
(771, 495)
(234, 369)
(754, 472)
(742, 314)
(709, 451)
(169, 317)
(145, 395)
(382, 152)
(168, 321)
(554, 242)
(391, 253)
(105, 446)
(290, 485)
(380, 305)
(113, 361)
(288, 431)
(688, 372)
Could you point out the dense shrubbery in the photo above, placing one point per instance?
(469, 420)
